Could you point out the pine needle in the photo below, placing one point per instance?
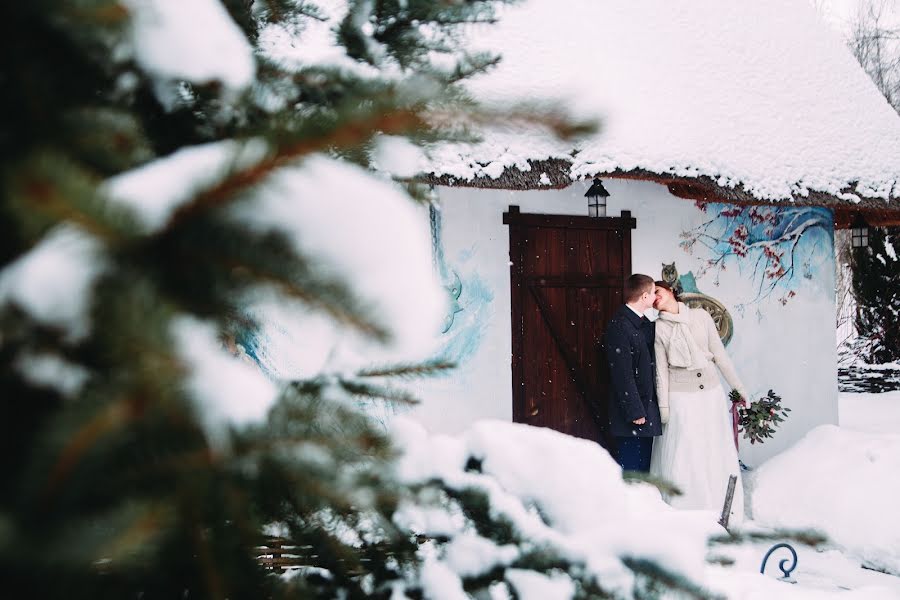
(377, 392)
(409, 370)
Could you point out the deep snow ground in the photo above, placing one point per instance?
(870, 412)
(819, 574)
(826, 573)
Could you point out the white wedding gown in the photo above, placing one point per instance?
(696, 452)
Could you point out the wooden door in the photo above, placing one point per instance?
(567, 275)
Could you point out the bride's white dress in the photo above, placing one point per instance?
(696, 452)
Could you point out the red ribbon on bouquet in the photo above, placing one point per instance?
(736, 420)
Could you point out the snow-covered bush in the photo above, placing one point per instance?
(542, 515)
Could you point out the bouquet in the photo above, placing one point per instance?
(759, 420)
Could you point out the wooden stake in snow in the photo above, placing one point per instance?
(729, 498)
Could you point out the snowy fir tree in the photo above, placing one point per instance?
(171, 185)
(876, 274)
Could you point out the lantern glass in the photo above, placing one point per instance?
(597, 206)
(596, 196)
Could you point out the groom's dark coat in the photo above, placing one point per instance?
(632, 369)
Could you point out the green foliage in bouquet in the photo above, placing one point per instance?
(759, 420)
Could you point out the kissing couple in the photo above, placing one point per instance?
(664, 384)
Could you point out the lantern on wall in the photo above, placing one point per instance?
(859, 232)
(597, 196)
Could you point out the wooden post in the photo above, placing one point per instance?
(729, 499)
(276, 555)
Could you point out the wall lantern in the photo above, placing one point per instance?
(859, 232)
(597, 196)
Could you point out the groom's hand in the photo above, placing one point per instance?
(640, 421)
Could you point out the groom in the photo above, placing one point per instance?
(633, 410)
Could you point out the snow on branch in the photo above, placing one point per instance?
(54, 281)
(168, 47)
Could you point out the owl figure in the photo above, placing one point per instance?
(670, 276)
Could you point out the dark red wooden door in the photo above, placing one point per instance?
(566, 280)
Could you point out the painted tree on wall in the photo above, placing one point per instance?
(775, 244)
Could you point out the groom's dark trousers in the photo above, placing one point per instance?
(633, 453)
(632, 376)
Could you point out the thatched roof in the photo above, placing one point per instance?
(744, 102)
(554, 174)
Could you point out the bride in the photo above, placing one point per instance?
(696, 451)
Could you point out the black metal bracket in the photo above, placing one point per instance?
(781, 565)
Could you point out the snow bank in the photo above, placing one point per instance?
(749, 585)
(755, 93)
(874, 413)
(54, 281)
(567, 494)
(558, 491)
(167, 44)
(820, 574)
(843, 483)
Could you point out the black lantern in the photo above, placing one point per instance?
(859, 232)
(597, 196)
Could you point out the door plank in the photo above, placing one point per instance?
(566, 279)
(569, 355)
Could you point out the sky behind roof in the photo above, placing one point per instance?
(840, 14)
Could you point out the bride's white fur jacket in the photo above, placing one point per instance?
(687, 348)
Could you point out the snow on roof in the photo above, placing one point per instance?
(758, 96)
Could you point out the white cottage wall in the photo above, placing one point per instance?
(786, 347)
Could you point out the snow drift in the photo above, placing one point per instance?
(557, 491)
(843, 483)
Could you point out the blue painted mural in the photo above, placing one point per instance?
(469, 299)
(777, 247)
